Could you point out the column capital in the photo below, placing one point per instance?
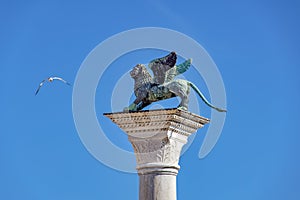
(157, 136)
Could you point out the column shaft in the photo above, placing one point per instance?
(157, 186)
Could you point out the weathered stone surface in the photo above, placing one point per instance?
(157, 137)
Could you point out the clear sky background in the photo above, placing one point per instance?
(255, 45)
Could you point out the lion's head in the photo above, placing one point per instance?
(138, 70)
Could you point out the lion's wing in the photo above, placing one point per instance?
(161, 66)
(178, 69)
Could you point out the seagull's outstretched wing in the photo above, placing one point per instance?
(50, 79)
(60, 79)
(160, 66)
(41, 84)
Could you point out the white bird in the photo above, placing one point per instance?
(50, 79)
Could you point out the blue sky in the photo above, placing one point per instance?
(255, 45)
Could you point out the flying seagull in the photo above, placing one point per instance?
(50, 79)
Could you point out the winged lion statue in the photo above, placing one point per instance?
(148, 89)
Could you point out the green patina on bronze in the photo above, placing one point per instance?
(148, 89)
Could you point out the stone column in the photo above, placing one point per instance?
(157, 137)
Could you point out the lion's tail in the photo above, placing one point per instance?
(204, 99)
